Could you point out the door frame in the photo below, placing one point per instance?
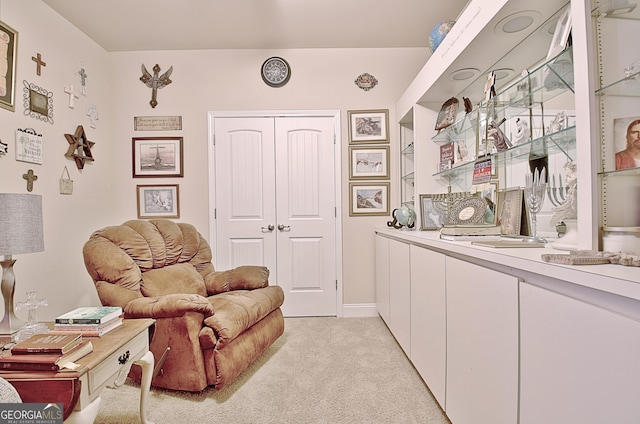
(335, 114)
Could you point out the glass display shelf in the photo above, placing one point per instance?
(464, 128)
(617, 10)
(409, 177)
(560, 142)
(626, 87)
(631, 172)
(552, 78)
(407, 150)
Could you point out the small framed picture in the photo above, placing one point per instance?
(157, 157)
(489, 192)
(158, 201)
(369, 163)
(9, 47)
(626, 139)
(561, 34)
(368, 126)
(38, 102)
(430, 218)
(510, 209)
(368, 199)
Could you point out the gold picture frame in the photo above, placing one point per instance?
(158, 201)
(368, 126)
(371, 199)
(9, 41)
(368, 163)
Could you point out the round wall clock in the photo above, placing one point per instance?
(275, 72)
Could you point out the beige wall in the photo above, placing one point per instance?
(203, 81)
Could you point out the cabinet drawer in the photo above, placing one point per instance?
(107, 371)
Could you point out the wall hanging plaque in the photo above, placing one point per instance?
(66, 184)
(28, 146)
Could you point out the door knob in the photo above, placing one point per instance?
(282, 227)
(267, 229)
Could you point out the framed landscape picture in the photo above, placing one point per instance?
(368, 199)
(368, 126)
(369, 163)
(158, 201)
(157, 157)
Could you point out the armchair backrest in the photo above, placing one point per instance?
(147, 258)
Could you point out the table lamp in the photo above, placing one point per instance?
(20, 232)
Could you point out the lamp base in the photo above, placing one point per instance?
(10, 323)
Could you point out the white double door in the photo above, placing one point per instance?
(275, 205)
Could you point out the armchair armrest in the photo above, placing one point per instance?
(168, 306)
(246, 277)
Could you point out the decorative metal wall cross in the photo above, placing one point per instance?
(83, 79)
(155, 82)
(39, 63)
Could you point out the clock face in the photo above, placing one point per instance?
(276, 72)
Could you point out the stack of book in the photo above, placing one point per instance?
(90, 321)
(46, 352)
(470, 232)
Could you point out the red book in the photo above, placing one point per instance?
(47, 343)
(43, 361)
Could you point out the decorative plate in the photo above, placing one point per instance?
(468, 211)
(447, 115)
(366, 81)
(275, 72)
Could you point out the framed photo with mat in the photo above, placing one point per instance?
(447, 115)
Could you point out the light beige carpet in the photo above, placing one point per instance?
(322, 370)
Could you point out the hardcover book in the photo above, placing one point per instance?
(90, 315)
(48, 343)
(44, 361)
(89, 330)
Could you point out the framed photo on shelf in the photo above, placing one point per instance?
(9, 47)
(369, 163)
(430, 218)
(158, 201)
(625, 131)
(489, 192)
(157, 157)
(561, 34)
(369, 199)
(510, 211)
(368, 126)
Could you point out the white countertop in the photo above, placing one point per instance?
(527, 263)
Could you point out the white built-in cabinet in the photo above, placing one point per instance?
(579, 358)
(482, 344)
(428, 318)
(499, 338)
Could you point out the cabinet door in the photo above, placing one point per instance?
(400, 293)
(382, 277)
(579, 362)
(482, 345)
(428, 318)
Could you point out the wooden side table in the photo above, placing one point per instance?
(107, 366)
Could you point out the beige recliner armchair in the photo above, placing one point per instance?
(216, 323)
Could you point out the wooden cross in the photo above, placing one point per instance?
(39, 63)
(72, 95)
(30, 177)
(155, 81)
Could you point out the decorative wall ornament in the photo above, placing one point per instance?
(366, 81)
(70, 90)
(28, 146)
(93, 114)
(30, 177)
(79, 147)
(39, 63)
(38, 102)
(4, 148)
(275, 72)
(155, 81)
(83, 79)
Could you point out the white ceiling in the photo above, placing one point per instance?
(136, 25)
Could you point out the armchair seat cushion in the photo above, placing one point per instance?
(238, 310)
(173, 279)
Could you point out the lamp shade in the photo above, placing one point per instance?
(20, 224)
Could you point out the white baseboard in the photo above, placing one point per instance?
(359, 310)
